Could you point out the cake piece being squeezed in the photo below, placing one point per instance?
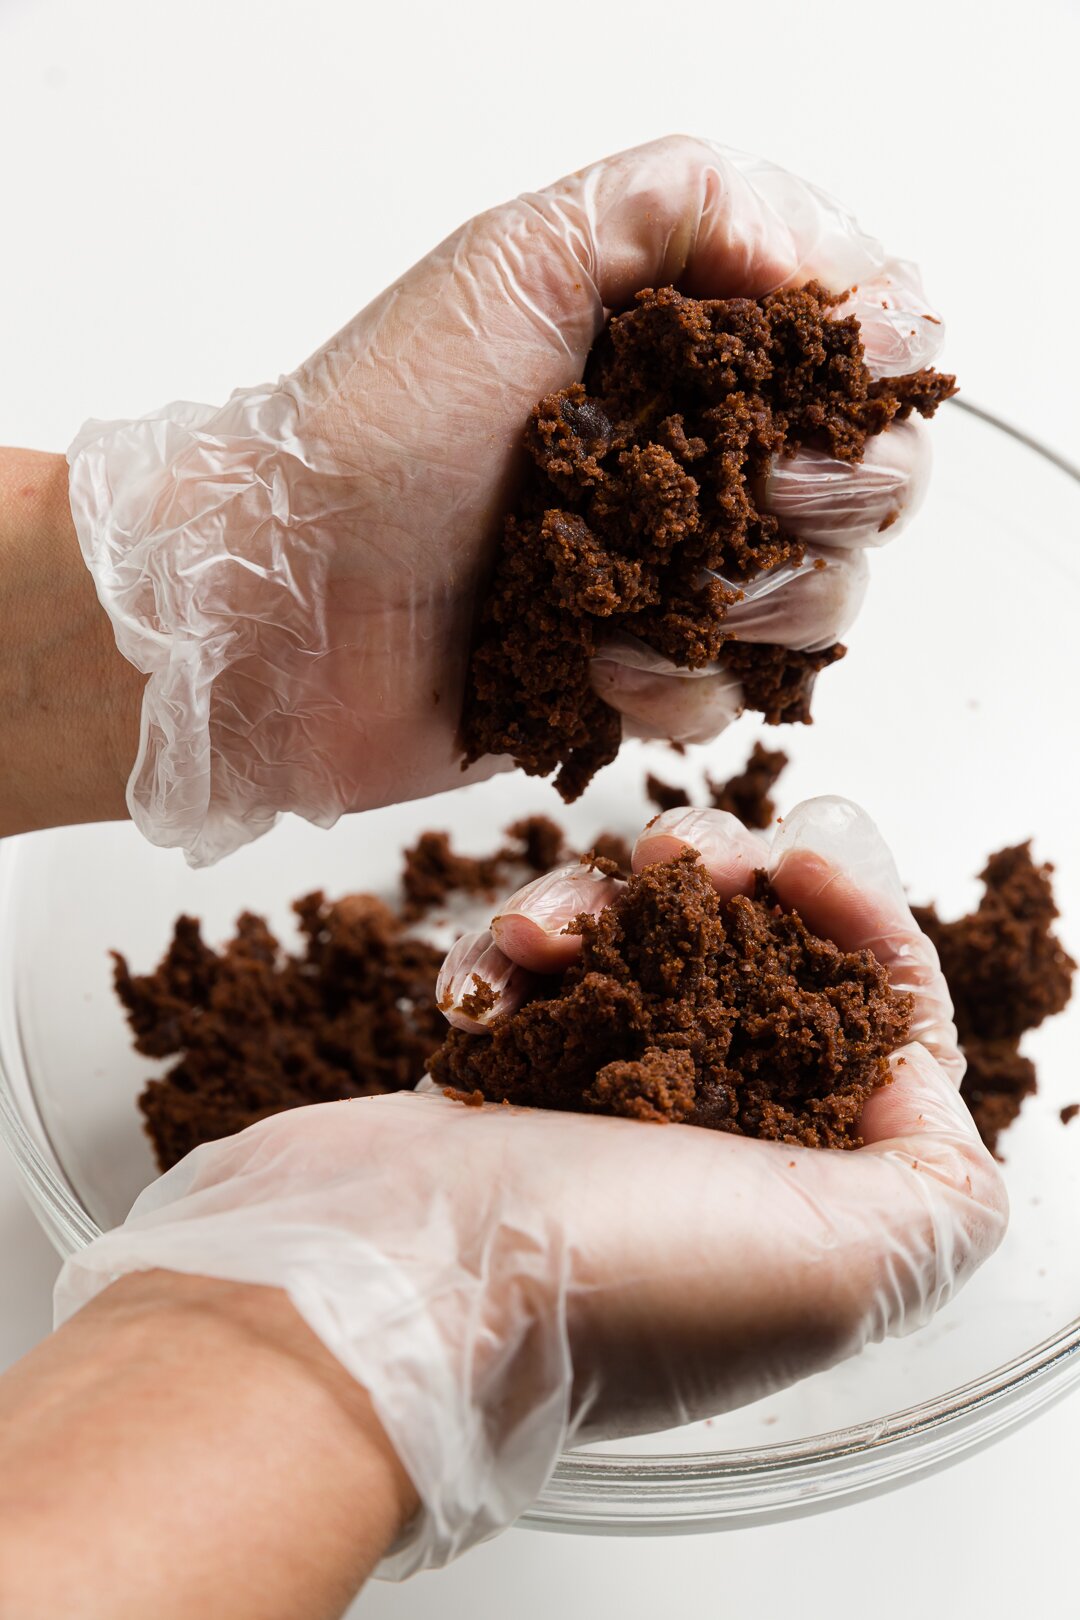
(642, 512)
(683, 1007)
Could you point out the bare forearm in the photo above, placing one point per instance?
(186, 1447)
(69, 703)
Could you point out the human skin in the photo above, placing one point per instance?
(185, 1446)
(298, 571)
(488, 1276)
(188, 1447)
(69, 703)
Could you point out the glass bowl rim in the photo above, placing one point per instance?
(637, 1492)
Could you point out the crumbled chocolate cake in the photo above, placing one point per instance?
(1069, 1112)
(779, 680)
(658, 1019)
(1006, 971)
(997, 1079)
(665, 795)
(610, 847)
(641, 511)
(256, 1030)
(432, 870)
(480, 999)
(747, 794)
(682, 1007)
(542, 842)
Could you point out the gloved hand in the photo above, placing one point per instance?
(508, 1282)
(297, 571)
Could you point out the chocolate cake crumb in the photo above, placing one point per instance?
(471, 1099)
(665, 795)
(641, 511)
(542, 841)
(479, 1000)
(660, 1018)
(256, 1030)
(1069, 1112)
(681, 1007)
(612, 848)
(747, 794)
(779, 680)
(997, 1080)
(1007, 971)
(602, 864)
(432, 870)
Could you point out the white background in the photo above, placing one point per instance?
(196, 195)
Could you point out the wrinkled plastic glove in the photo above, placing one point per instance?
(510, 1282)
(297, 571)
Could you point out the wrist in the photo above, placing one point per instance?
(257, 1332)
(212, 556)
(184, 1446)
(69, 701)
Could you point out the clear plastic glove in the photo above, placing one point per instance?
(507, 1282)
(297, 570)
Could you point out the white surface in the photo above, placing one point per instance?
(195, 196)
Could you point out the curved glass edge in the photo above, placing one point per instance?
(67, 1225)
(1054, 457)
(690, 1491)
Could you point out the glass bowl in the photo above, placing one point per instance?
(950, 722)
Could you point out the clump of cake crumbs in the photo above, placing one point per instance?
(432, 870)
(1007, 971)
(641, 513)
(682, 1007)
(255, 1028)
(747, 794)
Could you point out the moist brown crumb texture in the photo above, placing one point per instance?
(480, 999)
(731, 1015)
(665, 795)
(779, 680)
(1006, 971)
(432, 870)
(612, 847)
(542, 842)
(748, 794)
(256, 1030)
(641, 479)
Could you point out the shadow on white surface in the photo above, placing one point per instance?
(990, 1536)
